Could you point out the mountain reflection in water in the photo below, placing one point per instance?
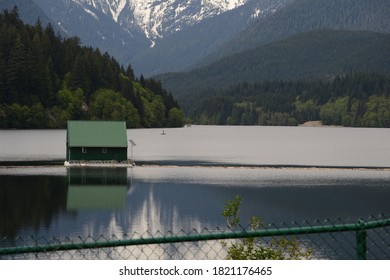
(83, 202)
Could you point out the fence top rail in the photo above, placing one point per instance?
(361, 225)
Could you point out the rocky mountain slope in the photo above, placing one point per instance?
(132, 30)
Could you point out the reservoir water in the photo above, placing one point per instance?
(332, 146)
(191, 174)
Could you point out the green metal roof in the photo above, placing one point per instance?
(106, 134)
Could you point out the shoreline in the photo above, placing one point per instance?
(31, 163)
(312, 124)
(319, 124)
(176, 164)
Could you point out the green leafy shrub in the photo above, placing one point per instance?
(279, 248)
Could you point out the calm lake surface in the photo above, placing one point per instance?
(334, 146)
(53, 201)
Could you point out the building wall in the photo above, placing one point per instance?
(75, 153)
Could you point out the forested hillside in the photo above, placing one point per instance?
(307, 15)
(315, 54)
(46, 80)
(310, 60)
(351, 100)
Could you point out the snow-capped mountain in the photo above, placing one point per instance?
(127, 28)
(183, 50)
(155, 18)
(159, 17)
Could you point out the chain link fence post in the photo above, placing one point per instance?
(361, 248)
(361, 241)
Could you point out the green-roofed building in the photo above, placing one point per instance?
(96, 141)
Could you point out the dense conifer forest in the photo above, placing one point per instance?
(349, 100)
(46, 80)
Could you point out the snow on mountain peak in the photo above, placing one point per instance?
(113, 7)
(116, 8)
(158, 17)
(226, 5)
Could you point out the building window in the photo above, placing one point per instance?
(104, 150)
(84, 150)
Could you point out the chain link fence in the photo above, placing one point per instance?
(363, 239)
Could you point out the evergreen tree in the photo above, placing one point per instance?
(46, 80)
